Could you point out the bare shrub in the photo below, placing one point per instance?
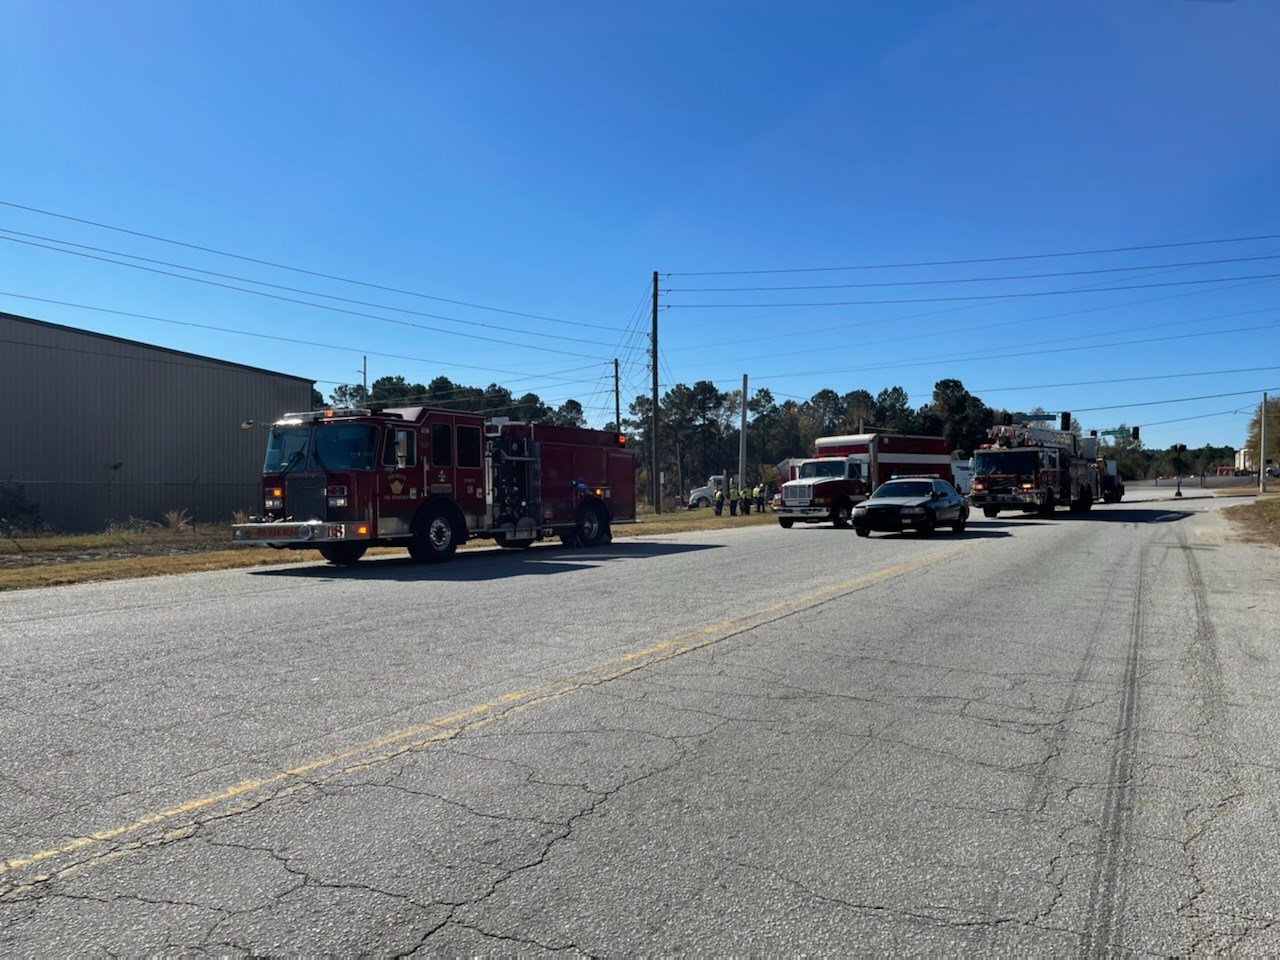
(239, 516)
(177, 520)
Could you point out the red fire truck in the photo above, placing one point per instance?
(1033, 470)
(845, 470)
(341, 481)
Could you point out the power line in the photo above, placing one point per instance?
(1007, 356)
(976, 306)
(1157, 403)
(307, 303)
(268, 336)
(985, 296)
(274, 286)
(284, 266)
(935, 282)
(1090, 383)
(951, 263)
(1083, 336)
(1200, 416)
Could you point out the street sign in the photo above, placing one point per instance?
(1117, 432)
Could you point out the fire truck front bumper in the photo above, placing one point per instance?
(287, 533)
(1016, 498)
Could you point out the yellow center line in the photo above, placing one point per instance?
(516, 701)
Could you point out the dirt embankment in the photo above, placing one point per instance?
(1257, 522)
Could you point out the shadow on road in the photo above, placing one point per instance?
(495, 564)
(1108, 514)
(973, 531)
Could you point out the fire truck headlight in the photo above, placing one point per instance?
(337, 501)
(273, 503)
(1028, 486)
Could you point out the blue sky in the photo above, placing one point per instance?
(546, 158)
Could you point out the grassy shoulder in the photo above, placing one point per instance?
(46, 561)
(1257, 522)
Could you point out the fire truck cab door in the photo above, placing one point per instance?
(456, 467)
(399, 481)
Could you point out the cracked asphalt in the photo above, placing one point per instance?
(1042, 737)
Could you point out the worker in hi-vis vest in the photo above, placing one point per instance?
(733, 501)
(718, 501)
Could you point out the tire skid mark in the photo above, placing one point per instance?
(1040, 792)
(1106, 895)
(1217, 755)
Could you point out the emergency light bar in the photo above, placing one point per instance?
(326, 414)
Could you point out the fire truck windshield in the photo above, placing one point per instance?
(344, 446)
(285, 447)
(821, 468)
(1020, 462)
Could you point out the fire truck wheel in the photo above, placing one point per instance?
(990, 512)
(593, 525)
(435, 539)
(786, 524)
(342, 554)
(1050, 502)
(841, 515)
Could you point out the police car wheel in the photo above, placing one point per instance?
(786, 524)
(862, 531)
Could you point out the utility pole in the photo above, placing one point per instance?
(364, 376)
(617, 399)
(742, 438)
(654, 484)
(1262, 447)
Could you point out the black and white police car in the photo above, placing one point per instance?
(918, 503)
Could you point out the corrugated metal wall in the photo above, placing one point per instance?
(98, 429)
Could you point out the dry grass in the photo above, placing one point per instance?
(1257, 522)
(150, 551)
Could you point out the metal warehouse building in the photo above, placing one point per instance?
(99, 429)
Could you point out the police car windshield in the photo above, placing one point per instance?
(905, 488)
(821, 468)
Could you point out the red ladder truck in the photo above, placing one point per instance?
(341, 481)
(1034, 469)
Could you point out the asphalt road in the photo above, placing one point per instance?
(1039, 737)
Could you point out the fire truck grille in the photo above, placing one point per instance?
(304, 497)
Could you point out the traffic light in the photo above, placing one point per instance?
(1093, 433)
(1066, 420)
(1134, 434)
